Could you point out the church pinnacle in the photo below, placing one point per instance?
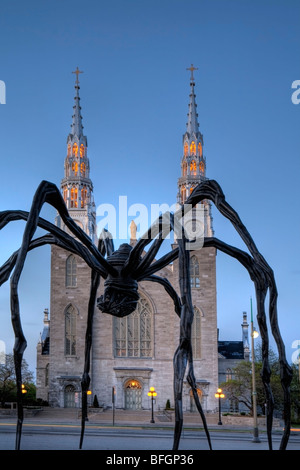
(76, 126)
(193, 162)
(76, 186)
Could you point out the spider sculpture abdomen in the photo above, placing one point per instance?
(120, 296)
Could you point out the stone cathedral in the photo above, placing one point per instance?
(130, 354)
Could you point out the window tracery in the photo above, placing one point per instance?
(70, 331)
(133, 334)
(194, 272)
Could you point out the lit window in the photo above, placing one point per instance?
(82, 169)
(193, 168)
(194, 272)
(200, 149)
(75, 150)
(71, 271)
(65, 195)
(83, 196)
(201, 167)
(196, 334)
(183, 194)
(70, 331)
(81, 151)
(193, 148)
(186, 149)
(75, 168)
(228, 375)
(133, 334)
(74, 196)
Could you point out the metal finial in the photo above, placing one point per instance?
(77, 71)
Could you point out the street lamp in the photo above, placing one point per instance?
(219, 395)
(152, 393)
(254, 334)
(23, 389)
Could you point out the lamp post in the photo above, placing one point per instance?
(254, 334)
(219, 395)
(152, 393)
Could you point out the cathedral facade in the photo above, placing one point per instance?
(130, 354)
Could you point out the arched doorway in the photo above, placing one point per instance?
(133, 395)
(69, 396)
(193, 407)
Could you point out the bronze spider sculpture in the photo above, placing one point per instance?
(124, 268)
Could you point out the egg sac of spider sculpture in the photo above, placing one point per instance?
(120, 296)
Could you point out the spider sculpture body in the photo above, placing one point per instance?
(124, 268)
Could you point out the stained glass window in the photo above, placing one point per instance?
(70, 331)
(196, 334)
(133, 334)
(194, 272)
(71, 271)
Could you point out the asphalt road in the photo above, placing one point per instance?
(106, 438)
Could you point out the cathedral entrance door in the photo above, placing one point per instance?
(133, 395)
(69, 396)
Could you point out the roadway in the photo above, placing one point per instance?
(65, 436)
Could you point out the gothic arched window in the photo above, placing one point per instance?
(183, 194)
(70, 331)
(71, 271)
(83, 196)
(194, 272)
(75, 150)
(196, 334)
(133, 334)
(193, 168)
(228, 374)
(74, 196)
(82, 169)
(75, 168)
(65, 195)
(193, 148)
(201, 167)
(186, 149)
(200, 149)
(81, 151)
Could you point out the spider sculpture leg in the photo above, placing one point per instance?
(265, 281)
(105, 245)
(46, 192)
(183, 308)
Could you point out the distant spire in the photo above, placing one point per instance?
(192, 124)
(76, 126)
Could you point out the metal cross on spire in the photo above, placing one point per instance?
(192, 68)
(77, 71)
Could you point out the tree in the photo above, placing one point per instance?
(8, 379)
(240, 388)
(295, 394)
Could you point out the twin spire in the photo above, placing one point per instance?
(76, 126)
(76, 186)
(192, 124)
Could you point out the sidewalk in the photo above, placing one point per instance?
(129, 418)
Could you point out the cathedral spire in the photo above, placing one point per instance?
(76, 126)
(76, 186)
(192, 124)
(193, 162)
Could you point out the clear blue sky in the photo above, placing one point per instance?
(134, 97)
